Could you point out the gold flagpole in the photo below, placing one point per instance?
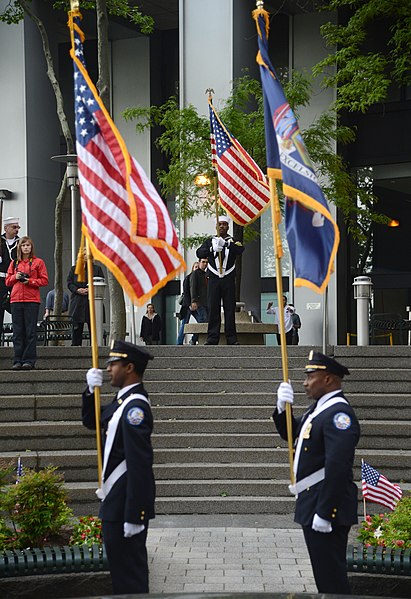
(278, 252)
(94, 354)
(215, 189)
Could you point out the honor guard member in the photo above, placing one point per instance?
(128, 489)
(326, 436)
(8, 253)
(221, 253)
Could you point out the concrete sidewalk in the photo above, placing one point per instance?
(211, 557)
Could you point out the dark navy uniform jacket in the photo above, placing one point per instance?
(132, 497)
(331, 445)
(231, 251)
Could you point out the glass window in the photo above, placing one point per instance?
(267, 248)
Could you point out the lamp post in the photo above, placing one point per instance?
(73, 184)
(362, 294)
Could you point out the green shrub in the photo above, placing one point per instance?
(87, 532)
(35, 507)
(388, 530)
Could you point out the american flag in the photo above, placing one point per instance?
(243, 189)
(377, 488)
(125, 220)
(19, 470)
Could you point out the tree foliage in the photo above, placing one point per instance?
(185, 141)
(362, 73)
(14, 12)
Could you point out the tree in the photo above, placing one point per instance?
(363, 73)
(13, 13)
(185, 143)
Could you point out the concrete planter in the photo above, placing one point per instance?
(53, 560)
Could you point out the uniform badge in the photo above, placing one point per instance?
(135, 416)
(342, 421)
(307, 431)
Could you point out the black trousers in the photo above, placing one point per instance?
(328, 559)
(127, 559)
(24, 318)
(217, 290)
(288, 338)
(77, 332)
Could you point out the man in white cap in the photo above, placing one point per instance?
(221, 252)
(8, 252)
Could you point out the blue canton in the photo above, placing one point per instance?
(370, 475)
(84, 102)
(222, 140)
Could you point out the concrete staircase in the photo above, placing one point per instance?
(216, 451)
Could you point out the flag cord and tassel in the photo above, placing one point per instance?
(278, 250)
(94, 356)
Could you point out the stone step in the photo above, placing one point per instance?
(44, 383)
(28, 410)
(19, 408)
(81, 466)
(184, 433)
(57, 358)
(82, 500)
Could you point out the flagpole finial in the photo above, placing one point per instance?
(259, 4)
(74, 5)
(209, 91)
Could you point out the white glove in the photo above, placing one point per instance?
(132, 529)
(218, 244)
(321, 525)
(285, 395)
(94, 378)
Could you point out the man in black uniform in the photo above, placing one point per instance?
(326, 436)
(79, 305)
(128, 489)
(221, 253)
(8, 252)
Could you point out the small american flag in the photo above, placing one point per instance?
(377, 488)
(19, 470)
(242, 185)
(125, 220)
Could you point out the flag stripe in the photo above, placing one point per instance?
(124, 218)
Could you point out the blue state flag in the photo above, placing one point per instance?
(312, 234)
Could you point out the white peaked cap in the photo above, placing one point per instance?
(11, 220)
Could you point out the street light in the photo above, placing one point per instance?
(73, 184)
(202, 180)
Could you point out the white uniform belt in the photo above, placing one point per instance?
(2, 275)
(308, 481)
(111, 480)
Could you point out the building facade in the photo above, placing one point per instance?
(198, 44)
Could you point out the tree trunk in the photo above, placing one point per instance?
(58, 247)
(117, 304)
(58, 229)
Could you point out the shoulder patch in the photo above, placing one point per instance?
(342, 421)
(135, 416)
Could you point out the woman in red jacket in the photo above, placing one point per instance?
(25, 275)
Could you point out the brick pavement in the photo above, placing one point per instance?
(229, 559)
